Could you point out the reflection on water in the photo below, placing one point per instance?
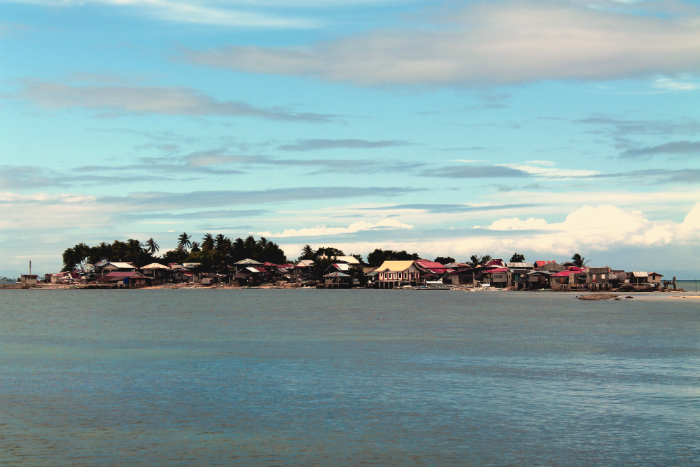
(273, 377)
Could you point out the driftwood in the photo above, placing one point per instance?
(598, 296)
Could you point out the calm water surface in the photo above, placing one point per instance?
(307, 377)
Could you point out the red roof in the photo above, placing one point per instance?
(497, 270)
(269, 265)
(432, 266)
(495, 262)
(539, 264)
(563, 274)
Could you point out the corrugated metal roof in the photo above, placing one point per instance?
(124, 274)
(342, 266)
(252, 269)
(520, 265)
(336, 274)
(155, 266)
(305, 263)
(496, 271)
(247, 261)
(639, 274)
(121, 265)
(348, 259)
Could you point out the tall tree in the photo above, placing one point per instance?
(517, 258)
(152, 246)
(195, 247)
(208, 242)
(444, 259)
(307, 253)
(183, 241)
(578, 260)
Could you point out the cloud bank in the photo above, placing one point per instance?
(489, 43)
(115, 100)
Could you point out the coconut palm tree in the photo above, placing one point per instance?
(195, 248)
(579, 260)
(208, 242)
(152, 246)
(183, 241)
(220, 242)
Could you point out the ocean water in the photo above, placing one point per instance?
(331, 378)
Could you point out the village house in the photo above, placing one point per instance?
(103, 268)
(338, 280)
(638, 278)
(392, 274)
(124, 278)
(654, 278)
(157, 272)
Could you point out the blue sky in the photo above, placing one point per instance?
(445, 128)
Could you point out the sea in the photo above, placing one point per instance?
(347, 378)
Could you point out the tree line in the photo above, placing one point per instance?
(218, 252)
(213, 252)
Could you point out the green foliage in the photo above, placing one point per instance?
(378, 256)
(517, 258)
(579, 260)
(444, 259)
(475, 260)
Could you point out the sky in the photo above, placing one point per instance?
(447, 127)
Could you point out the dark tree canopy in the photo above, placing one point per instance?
(517, 258)
(378, 256)
(214, 253)
(444, 259)
(578, 260)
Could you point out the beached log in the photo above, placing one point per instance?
(597, 296)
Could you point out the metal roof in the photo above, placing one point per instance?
(155, 266)
(121, 265)
(342, 266)
(256, 270)
(520, 265)
(304, 263)
(247, 261)
(336, 274)
(639, 274)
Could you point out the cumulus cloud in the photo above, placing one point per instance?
(600, 228)
(113, 100)
(489, 43)
(384, 224)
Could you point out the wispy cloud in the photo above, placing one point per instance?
(674, 148)
(469, 171)
(321, 144)
(322, 230)
(197, 12)
(449, 208)
(114, 100)
(676, 85)
(199, 199)
(489, 43)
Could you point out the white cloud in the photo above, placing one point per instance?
(119, 99)
(549, 171)
(384, 224)
(490, 43)
(517, 224)
(676, 85)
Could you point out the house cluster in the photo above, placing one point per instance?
(497, 273)
(349, 272)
